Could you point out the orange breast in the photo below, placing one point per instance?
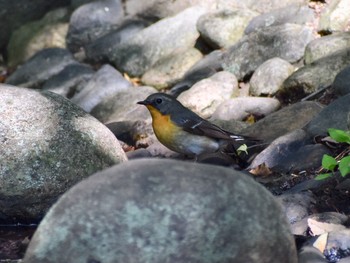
(163, 127)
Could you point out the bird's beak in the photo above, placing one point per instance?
(143, 102)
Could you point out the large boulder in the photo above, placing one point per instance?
(47, 145)
(156, 211)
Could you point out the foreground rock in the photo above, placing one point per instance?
(48, 145)
(164, 211)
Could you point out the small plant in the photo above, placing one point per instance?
(341, 162)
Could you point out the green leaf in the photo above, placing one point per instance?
(328, 162)
(339, 135)
(344, 166)
(242, 148)
(323, 176)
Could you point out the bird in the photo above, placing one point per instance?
(183, 131)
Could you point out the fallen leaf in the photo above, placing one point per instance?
(321, 242)
(261, 170)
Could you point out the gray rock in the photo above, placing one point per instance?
(224, 28)
(39, 68)
(286, 41)
(279, 123)
(233, 126)
(16, 13)
(310, 254)
(331, 217)
(262, 6)
(335, 115)
(123, 106)
(76, 3)
(204, 68)
(106, 82)
(168, 71)
(102, 48)
(341, 82)
(337, 243)
(325, 46)
(297, 208)
(91, 21)
(291, 152)
(48, 32)
(206, 95)
(240, 108)
(310, 78)
(138, 54)
(70, 80)
(49, 144)
(161, 9)
(294, 14)
(269, 76)
(164, 211)
(335, 17)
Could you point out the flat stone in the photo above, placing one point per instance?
(335, 17)
(224, 28)
(168, 71)
(268, 78)
(205, 96)
(279, 123)
(325, 46)
(293, 13)
(242, 107)
(292, 152)
(123, 106)
(101, 49)
(204, 68)
(106, 82)
(70, 80)
(138, 54)
(286, 41)
(91, 21)
(335, 115)
(39, 68)
(310, 78)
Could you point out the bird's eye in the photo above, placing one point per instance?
(159, 101)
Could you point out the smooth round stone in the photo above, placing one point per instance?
(154, 210)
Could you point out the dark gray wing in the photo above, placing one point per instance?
(194, 124)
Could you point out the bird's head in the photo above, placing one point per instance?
(161, 102)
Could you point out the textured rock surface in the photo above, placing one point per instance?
(164, 211)
(279, 123)
(42, 66)
(106, 82)
(286, 41)
(48, 145)
(91, 21)
(335, 115)
(137, 54)
(205, 96)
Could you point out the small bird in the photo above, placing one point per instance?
(182, 130)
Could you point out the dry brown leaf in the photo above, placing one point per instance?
(134, 81)
(261, 170)
(321, 242)
(251, 119)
